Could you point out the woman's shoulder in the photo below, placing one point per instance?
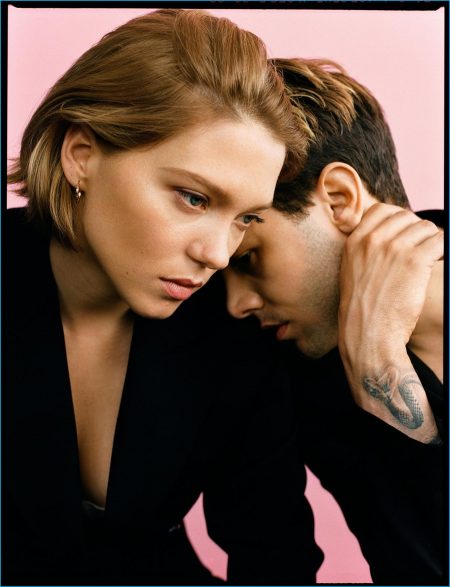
(22, 239)
(16, 216)
(25, 250)
(18, 226)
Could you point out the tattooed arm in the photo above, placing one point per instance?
(385, 281)
(395, 394)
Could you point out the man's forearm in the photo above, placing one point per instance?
(387, 386)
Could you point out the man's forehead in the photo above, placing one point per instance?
(263, 234)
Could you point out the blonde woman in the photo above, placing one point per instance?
(143, 167)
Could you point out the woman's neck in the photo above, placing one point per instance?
(85, 291)
(427, 339)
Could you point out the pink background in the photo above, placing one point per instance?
(398, 55)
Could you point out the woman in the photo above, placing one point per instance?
(143, 166)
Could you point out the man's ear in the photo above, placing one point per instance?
(76, 150)
(340, 188)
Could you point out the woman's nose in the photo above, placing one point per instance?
(213, 249)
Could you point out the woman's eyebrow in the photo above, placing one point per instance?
(210, 186)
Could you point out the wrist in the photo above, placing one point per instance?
(363, 357)
(365, 339)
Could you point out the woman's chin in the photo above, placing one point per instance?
(156, 310)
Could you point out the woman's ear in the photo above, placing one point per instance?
(340, 188)
(75, 152)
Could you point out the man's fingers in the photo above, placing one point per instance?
(392, 231)
(416, 233)
(383, 221)
(432, 247)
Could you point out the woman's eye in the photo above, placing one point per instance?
(193, 200)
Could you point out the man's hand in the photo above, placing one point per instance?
(386, 268)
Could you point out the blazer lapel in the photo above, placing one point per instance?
(162, 404)
(43, 470)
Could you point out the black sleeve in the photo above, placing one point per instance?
(406, 486)
(392, 489)
(254, 502)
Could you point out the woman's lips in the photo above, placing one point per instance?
(180, 289)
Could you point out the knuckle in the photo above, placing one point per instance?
(395, 247)
(430, 226)
(394, 209)
(414, 261)
(373, 240)
(407, 216)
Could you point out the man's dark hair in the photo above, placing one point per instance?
(347, 124)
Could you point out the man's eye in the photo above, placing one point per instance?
(242, 262)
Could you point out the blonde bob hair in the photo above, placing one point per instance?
(142, 83)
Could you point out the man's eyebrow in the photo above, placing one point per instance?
(210, 186)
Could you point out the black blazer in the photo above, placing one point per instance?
(202, 410)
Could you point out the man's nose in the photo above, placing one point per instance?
(242, 300)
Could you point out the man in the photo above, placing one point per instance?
(358, 285)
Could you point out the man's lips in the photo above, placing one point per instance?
(180, 289)
(282, 331)
(280, 327)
